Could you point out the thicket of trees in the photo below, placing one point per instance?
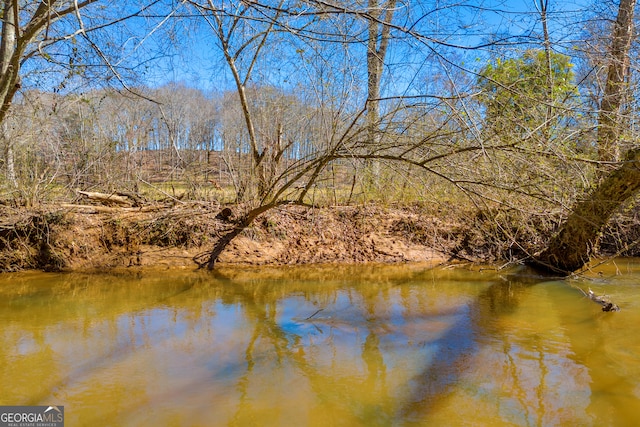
(526, 106)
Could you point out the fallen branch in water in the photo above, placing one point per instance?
(603, 300)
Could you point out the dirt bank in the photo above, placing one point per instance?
(55, 238)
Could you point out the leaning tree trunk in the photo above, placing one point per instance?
(222, 244)
(572, 247)
(239, 225)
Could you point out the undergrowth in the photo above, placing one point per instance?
(29, 240)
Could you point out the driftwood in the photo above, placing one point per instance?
(107, 199)
(603, 300)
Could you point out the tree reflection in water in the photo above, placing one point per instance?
(361, 346)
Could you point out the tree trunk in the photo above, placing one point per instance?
(241, 224)
(7, 48)
(10, 164)
(221, 245)
(572, 247)
(609, 120)
(377, 45)
(543, 5)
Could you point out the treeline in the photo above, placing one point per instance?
(191, 142)
(501, 143)
(318, 103)
(172, 135)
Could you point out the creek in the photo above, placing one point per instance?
(354, 346)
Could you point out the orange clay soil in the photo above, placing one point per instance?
(82, 238)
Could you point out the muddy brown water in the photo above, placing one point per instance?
(352, 346)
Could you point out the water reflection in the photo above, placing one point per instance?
(292, 346)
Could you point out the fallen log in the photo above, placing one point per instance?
(107, 199)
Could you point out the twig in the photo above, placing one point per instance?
(626, 248)
(318, 311)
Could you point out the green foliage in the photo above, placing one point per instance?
(524, 95)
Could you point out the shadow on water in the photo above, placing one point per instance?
(98, 289)
(457, 348)
(378, 350)
(452, 356)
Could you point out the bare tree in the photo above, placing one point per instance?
(576, 241)
(22, 26)
(616, 87)
(380, 16)
(55, 45)
(242, 54)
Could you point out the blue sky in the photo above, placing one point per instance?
(198, 61)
